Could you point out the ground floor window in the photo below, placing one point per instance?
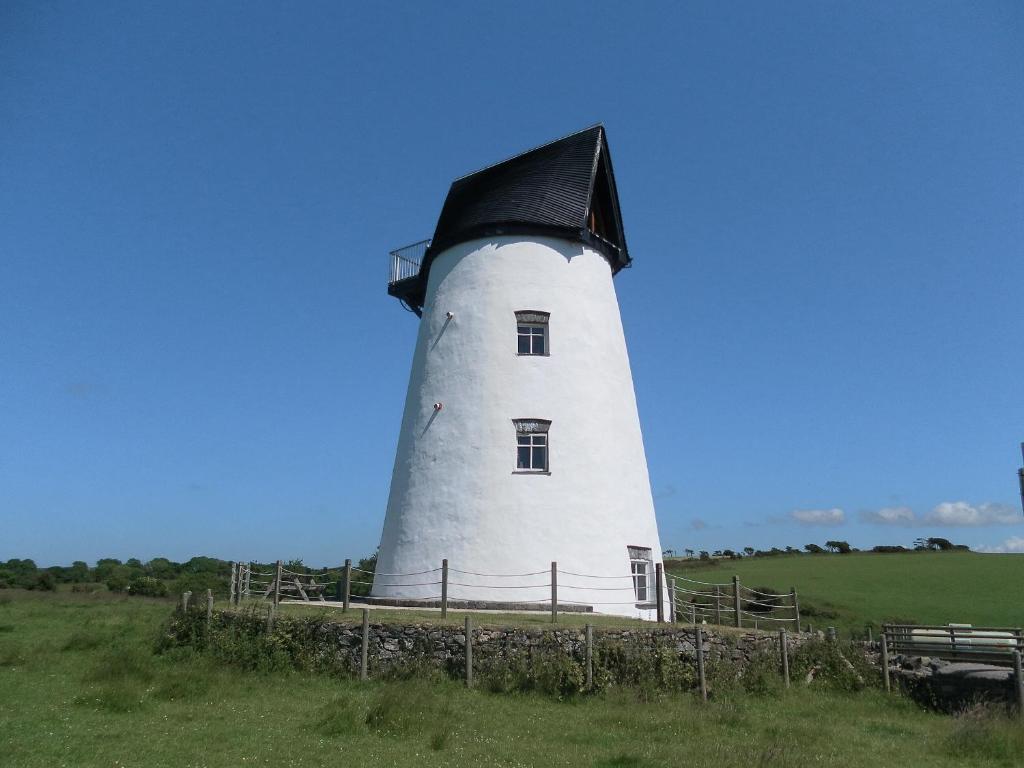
(532, 445)
(641, 566)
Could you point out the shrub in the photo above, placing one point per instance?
(765, 600)
(810, 609)
(147, 586)
(42, 580)
(544, 668)
(648, 670)
(836, 665)
(118, 582)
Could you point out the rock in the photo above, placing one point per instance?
(973, 672)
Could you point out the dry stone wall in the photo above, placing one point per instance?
(339, 645)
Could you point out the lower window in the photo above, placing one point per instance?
(532, 445)
(641, 566)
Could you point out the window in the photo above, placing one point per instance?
(641, 566)
(532, 332)
(532, 445)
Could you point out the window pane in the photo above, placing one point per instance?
(524, 345)
(524, 459)
(523, 439)
(540, 439)
(538, 345)
(540, 458)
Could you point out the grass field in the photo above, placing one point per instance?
(538, 619)
(80, 686)
(863, 587)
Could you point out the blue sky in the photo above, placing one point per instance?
(197, 354)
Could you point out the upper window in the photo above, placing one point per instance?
(641, 566)
(532, 445)
(532, 332)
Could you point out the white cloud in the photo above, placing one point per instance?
(1012, 544)
(889, 516)
(964, 514)
(818, 516)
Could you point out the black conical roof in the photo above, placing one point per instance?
(564, 189)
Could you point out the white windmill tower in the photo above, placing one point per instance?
(520, 441)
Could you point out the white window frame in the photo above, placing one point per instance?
(532, 325)
(641, 568)
(532, 434)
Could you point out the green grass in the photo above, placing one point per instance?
(81, 687)
(863, 587)
(537, 619)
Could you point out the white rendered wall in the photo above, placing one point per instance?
(454, 491)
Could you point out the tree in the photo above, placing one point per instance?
(162, 568)
(842, 547)
(704, 555)
(106, 566)
(748, 551)
(943, 545)
(729, 553)
(689, 552)
(814, 549)
(78, 572)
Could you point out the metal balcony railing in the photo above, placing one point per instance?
(404, 263)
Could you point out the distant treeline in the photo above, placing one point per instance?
(933, 544)
(155, 578)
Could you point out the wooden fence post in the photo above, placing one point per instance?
(831, 634)
(444, 588)
(796, 609)
(885, 660)
(871, 639)
(234, 584)
(718, 605)
(736, 599)
(277, 583)
(700, 663)
(554, 591)
(590, 656)
(184, 601)
(270, 618)
(346, 596)
(672, 599)
(469, 652)
(693, 614)
(365, 650)
(209, 607)
(784, 648)
(659, 583)
(1019, 679)
(246, 591)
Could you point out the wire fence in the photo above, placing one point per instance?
(645, 592)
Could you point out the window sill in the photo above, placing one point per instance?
(531, 354)
(530, 472)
